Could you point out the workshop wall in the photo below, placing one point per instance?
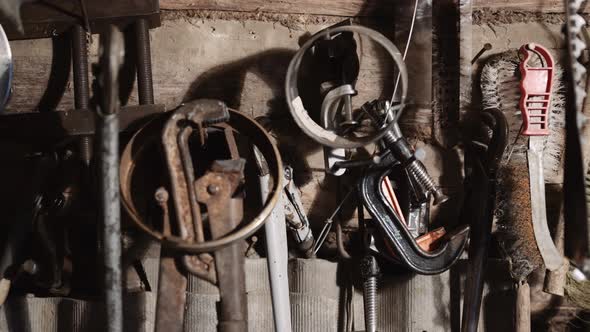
(241, 58)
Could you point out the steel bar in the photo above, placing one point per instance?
(145, 85)
(81, 85)
(110, 62)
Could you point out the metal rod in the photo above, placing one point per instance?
(109, 166)
(145, 85)
(110, 62)
(81, 85)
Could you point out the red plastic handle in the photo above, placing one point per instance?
(535, 87)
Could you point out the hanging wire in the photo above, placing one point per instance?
(406, 49)
(328, 224)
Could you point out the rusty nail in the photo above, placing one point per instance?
(486, 47)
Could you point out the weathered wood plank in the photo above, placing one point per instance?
(330, 7)
(347, 7)
(544, 6)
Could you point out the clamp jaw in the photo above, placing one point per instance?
(390, 224)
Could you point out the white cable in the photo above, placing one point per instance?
(406, 49)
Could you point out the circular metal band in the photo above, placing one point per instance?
(300, 115)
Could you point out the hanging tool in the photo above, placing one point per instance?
(175, 141)
(111, 58)
(297, 220)
(276, 250)
(219, 190)
(390, 222)
(535, 103)
(481, 197)
(337, 61)
(394, 141)
(395, 231)
(143, 145)
(202, 125)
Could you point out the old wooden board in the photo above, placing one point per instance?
(348, 8)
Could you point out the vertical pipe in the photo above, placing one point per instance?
(109, 166)
(145, 85)
(81, 85)
(112, 47)
(277, 259)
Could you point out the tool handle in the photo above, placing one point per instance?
(535, 87)
(523, 308)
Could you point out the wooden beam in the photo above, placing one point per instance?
(543, 6)
(314, 7)
(347, 7)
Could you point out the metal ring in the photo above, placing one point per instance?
(300, 115)
(242, 124)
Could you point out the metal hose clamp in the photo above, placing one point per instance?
(301, 116)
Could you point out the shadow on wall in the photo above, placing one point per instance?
(226, 82)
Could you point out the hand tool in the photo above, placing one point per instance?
(170, 301)
(536, 88)
(217, 189)
(297, 220)
(395, 231)
(500, 87)
(394, 141)
(143, 145)
(276, 250)
(175, 142)
(337, 61)
(481, 196)
(111, 58)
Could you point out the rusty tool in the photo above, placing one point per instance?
(481, 195)
(535, 102)
(217, 189)
(186, 130)
(171, 281)
(144, 145)
(175, 141)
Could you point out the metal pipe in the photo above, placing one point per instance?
(81, 84)
(109, 165)
(110, 62)
(145, 84)
(277, 259)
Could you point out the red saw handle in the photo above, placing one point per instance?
(535, 87)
